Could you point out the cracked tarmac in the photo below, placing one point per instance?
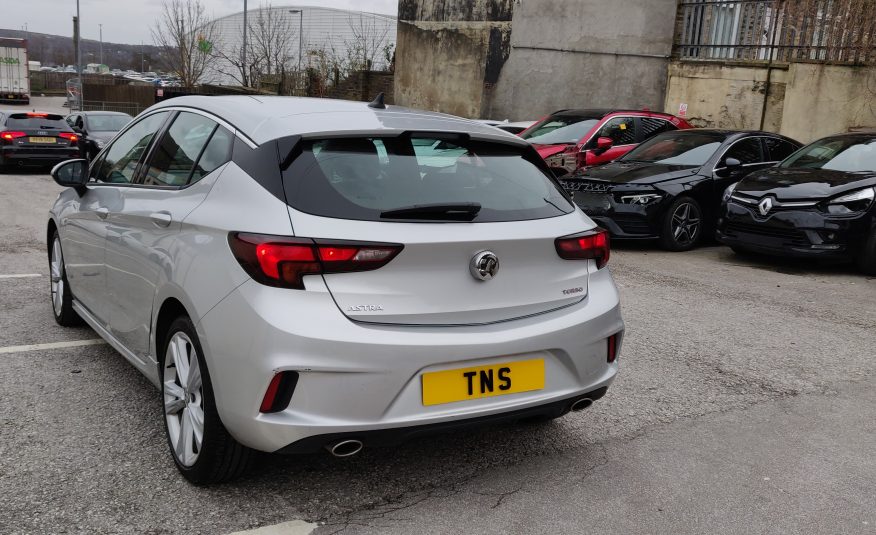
(745, 404)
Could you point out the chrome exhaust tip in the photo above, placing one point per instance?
(581, 404)
(345, 448)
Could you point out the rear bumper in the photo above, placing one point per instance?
(41, 156)
(805, 233)
(357, 378)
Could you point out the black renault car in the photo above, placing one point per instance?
(35, 138)
(819, 203)
(669, 187)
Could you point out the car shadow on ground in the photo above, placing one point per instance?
(777, 264)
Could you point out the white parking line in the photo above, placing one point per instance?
(52, 345)
(21, 276)
(295, 527)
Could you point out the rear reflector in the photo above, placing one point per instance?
(283, 261)
(279, 392)
(9, 135)
(69, 135)
(591, 245)
(612, 348)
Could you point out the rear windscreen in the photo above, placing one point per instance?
(364, 178)
(26, 121)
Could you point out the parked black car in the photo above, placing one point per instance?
(669, 187)
(97, 128)
(819, 203)
(35, 138)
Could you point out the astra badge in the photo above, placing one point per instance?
(484, 265)
(765, 206)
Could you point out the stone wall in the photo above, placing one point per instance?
(805, 101)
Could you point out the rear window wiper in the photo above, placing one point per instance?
(438, 212)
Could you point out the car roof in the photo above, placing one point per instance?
(728, 133)
(264, 118)
(97, 112)
(598, 113)
(860, 136)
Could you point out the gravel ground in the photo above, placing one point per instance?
(745, 404)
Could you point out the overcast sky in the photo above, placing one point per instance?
(128, 21)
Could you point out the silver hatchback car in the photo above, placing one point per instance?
(298, 274)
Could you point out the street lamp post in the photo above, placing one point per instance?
(79, 59)
(101, 42)
(243, 50)
(300, 13)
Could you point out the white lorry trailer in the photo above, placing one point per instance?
(14, 80)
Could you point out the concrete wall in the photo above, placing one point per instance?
(826, 99)
(507, 59)
(447, 50)
(584, 54)
(806, 101)
(726, 96)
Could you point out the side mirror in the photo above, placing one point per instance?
(71, 174)
(77, 129)
(604, 143)
(732, 163)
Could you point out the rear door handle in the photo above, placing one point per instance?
(161, 219)
(102, 212)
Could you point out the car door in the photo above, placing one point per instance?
(141, 231)
(84, 229)
(750, 152)
(621, 131)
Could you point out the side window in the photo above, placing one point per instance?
(216, 153)
(622, 130)
(173, 159)
(779, 148)
(71, 120)
(123, 156)
(746, 151)
(650, 127)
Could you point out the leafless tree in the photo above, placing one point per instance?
(185, 35)
(273, 37)
(367, 43)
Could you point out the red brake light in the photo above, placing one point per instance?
(10, 135)
(37, 114)
(69, 135)
(612, 348)
(282, 261)
(592, 245)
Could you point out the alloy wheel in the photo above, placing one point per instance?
(56, 267)
(685, 224)
(183, 399)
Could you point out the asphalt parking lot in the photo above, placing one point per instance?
(745, 404)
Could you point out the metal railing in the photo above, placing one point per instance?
(131, 108)
(822, 31)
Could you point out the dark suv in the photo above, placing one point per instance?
(35, 138)
(96, 128)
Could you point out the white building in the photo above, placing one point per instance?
(324, 31)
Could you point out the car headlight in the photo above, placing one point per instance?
(857, 201)
(640, 198)
(729, 191)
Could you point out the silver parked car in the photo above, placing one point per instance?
(299, 274)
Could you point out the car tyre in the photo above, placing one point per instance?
(201, 447)
(867, 257)
(682, 226)
(62, 299)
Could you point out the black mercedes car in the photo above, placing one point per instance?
(819, 203)
(669, 187)
(35, 138)
(96, 128)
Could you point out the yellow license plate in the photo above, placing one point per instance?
(482, 381)
(41, 139)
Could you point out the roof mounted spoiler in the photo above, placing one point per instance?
(377, 103)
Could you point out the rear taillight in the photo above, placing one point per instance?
(37, 114)
(69, 135)
(612, 348)
(279, 392)
(282, 261)
(10, 135)
(591, 245)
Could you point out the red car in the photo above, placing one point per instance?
(572, 139)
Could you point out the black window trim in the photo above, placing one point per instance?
(148, 150)
(602, 122)
(759, 138)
